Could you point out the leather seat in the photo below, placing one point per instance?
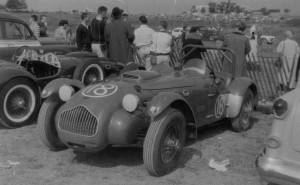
(195, 67)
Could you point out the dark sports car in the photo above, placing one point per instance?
(20, 82)
(152, 109)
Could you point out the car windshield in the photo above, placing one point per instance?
(14, 31)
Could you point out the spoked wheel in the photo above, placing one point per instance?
(243, 121)
(20, 103)
(89, 72)
(164, 142)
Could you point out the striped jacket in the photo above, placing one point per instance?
(35, 29)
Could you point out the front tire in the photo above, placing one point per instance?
(89, 72)
(46, 123)
(20, 102)
(243, 121)
(164, 142)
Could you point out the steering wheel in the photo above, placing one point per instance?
(18, 54)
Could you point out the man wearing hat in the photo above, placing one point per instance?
(119, 36)
(240, 45)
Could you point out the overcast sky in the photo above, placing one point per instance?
(154, 6)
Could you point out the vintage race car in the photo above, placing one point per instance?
(15, 33)
(267, 39)
(279, 162)
(21, 81)
(155, 110)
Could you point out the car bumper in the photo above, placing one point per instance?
(277, 171)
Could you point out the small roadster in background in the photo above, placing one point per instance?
(22, 79)
(155, 110)
(279, 162)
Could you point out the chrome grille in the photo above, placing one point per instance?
(78, 121)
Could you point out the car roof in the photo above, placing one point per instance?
(6, 16)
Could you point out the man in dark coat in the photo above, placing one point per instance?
(193, 38)
(119, 36)
(240, 45)
(83, 34)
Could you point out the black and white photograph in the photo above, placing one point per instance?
(146, 92)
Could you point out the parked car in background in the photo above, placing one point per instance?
(279, 162)
(154, 110)
(22, 80)
(267, 39)
(15, 33)
(177, 32)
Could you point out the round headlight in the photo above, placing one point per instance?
(280, 107)
(66, 92)
(130, 102)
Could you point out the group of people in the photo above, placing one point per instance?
(114, 38)
(39, 27)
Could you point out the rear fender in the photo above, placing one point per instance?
(164, 100)
(237, 91)
(53, 86)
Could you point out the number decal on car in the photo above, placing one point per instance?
(220, 106)
(100, 91)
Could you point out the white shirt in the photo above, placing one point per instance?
(161, 42)
(60, 33)
(143, 35)
(289, 48)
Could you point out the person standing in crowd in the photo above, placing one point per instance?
(143, 40)
(240, 45)
(161, 49)
(253, 44)
(34, 25)
(193, 38)
(119, 36)
(43, 25)
(259, 32)
(97, 30)
(83, 34)
(289, 49)
(63, 30)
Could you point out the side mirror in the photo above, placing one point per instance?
(218, 81)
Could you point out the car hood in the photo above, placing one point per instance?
(149, 80)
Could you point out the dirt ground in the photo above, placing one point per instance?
(118, 166)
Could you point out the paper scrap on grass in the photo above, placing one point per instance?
(219, 166)
(13, 163)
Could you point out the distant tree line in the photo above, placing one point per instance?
(16, 4)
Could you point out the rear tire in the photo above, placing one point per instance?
(20, 102)
(89, 72)
(46, 123)
(164, 142)
(243, 121)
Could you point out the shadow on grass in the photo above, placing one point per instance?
(133, 156)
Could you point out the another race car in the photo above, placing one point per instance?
(267, 39)
(21, 81)
(155, 110)
(15, 33)
(279, 162)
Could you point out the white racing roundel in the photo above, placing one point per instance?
(220, 106)
(100, 90)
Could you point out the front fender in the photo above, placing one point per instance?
(237, 91)
(160, 102)
(53, 86)
(8, 73)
